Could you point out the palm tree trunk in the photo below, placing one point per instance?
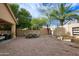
(61, 22)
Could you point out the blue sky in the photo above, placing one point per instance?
(33, 9)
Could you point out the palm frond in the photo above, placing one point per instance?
(67, 8)
(62, 8)
(73, 11)
(54, 14)
(71, 16)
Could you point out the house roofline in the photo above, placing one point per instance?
(9, 9)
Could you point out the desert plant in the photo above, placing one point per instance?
(75, 40)
(59, 31)
(61, 34)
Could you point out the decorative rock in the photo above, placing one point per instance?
(32, 36)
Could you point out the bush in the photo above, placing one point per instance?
(67, 36)
(59, 31)
(75, 40)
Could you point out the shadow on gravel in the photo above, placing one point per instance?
(74, 46)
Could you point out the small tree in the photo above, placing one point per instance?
(37, 23)
(22, 15)
(15, 9)
(24, 19)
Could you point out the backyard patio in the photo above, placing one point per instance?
(42, 46)
(27, 35)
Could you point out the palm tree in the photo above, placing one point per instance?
(64, 12)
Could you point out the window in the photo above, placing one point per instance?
(75, 30)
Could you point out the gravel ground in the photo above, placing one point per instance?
(42, 46)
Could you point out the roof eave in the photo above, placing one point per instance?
(7, 5)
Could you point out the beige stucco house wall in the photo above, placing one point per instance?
(7, 16)
(69, 28)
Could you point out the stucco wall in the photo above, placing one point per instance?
(69, 27)
(5, 14)
(25, 32)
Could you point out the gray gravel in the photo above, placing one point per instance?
(42, 46)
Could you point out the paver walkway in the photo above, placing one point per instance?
(43, 46)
